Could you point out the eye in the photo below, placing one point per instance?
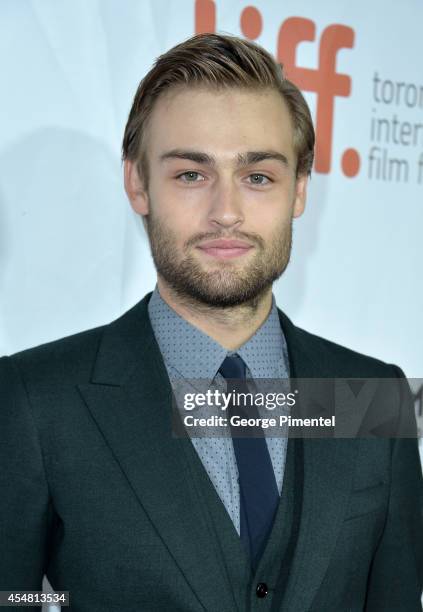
(259, 179)
(190, 177)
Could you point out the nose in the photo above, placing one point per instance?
(226, 206)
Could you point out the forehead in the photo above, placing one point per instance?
(225, 122)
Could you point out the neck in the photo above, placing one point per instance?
(231, 327)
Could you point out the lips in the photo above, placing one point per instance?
(222, 243)
(225, 248)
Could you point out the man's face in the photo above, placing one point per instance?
(222, 192)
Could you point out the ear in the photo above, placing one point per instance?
(300, 195)
(134, 188)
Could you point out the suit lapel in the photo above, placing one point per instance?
(129, 398)
(328, 470)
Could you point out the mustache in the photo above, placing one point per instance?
(249, 236)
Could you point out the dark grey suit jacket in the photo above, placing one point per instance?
(97, 494)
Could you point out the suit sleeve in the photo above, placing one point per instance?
(24, 499)
(396, 576)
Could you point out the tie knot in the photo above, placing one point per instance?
(233, 366)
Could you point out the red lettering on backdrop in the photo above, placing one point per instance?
(324, 81)
(205, 16)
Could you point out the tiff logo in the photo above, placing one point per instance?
(324, 81)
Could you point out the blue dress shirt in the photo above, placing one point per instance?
(189, 353)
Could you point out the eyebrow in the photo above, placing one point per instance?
(243, 159)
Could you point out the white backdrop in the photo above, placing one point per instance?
(73, 255)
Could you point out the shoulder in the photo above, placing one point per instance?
(346, 357)
(65, 358)
(71, 359)
(333, 359)
(315, 357)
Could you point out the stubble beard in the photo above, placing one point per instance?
(228, 284)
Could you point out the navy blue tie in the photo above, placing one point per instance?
(259, 496)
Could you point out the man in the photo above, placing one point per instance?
(97, 491)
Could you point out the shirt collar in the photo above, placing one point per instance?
(195, 355)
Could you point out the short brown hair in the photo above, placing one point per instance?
(216, 61)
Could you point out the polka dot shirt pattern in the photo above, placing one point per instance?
(190, 354)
